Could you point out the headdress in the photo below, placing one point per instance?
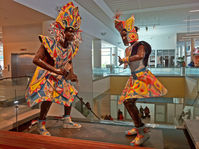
(128, 25)
(67, 17)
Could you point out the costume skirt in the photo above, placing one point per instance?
(142, 84)
(46, 86)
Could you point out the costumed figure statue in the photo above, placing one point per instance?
(142, 83)
(53, 77)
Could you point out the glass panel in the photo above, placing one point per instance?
(12, 101)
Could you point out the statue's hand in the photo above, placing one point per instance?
(120, 61)
(62, 72)
(72, 77)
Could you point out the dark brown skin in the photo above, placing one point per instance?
(45, 61)
(140, 53)
(124, 37)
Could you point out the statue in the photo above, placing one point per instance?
(52, 79)
(142, 83)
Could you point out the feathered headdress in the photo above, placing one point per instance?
(128, 25)
(67, 17)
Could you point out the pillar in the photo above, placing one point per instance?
(97, 53)
(192, 47)
(115, 56)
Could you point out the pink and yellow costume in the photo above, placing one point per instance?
(142, 83)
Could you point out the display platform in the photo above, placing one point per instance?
(101, 132)
(192, 128)
(21, 140)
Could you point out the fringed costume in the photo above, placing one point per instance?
(51, 81)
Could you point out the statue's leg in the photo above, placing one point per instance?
(45, 106)
(68, 123)
(133, 111)
(140, 129)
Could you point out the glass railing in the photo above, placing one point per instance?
(182, 71)
(155, 112)
(192, 71)
(159, 111)
(13, 105)
(12, 101)
(164, 111)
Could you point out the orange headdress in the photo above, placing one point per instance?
(127, 25)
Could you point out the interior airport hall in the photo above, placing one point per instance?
(130, 66)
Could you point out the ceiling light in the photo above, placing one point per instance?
(103, 33)
(118, 42)
(192, 20)
(194, 11)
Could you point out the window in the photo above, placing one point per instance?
(106, 57)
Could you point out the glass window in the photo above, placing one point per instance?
(106, 57)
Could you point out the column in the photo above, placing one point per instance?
(97, 53)
(156, 58)
(192, 47)
(115, 55)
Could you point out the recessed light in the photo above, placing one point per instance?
(192, 20)
(194, 11)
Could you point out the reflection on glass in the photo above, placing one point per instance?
(167, 111)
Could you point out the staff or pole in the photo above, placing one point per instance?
(87, 106)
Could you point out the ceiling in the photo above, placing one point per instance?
(159, 14)
(146, 12)
(12, 13)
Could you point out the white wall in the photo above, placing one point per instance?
(167, 41)
(45, 27)
(82, 63)
(100, 86)
(159, 39)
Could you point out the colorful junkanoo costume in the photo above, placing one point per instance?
(142, 83)
(46, 85)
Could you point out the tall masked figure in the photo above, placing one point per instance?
(53, 77)
(142, 83)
